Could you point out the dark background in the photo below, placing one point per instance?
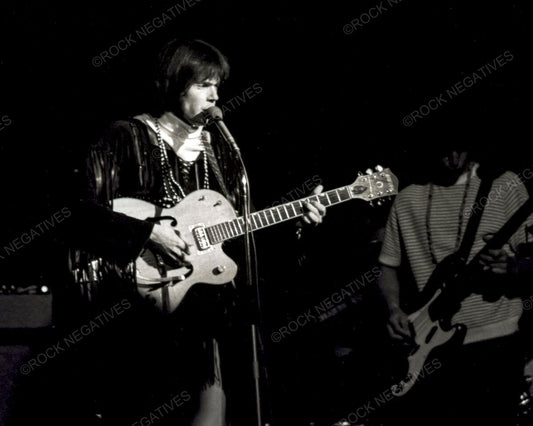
(331, 104)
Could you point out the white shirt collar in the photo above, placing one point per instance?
(184, 139)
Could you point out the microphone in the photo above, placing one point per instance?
(202, 119)
(215, 114)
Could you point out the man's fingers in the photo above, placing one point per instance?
(318, 189)
(399, 335)
(404, 324)
(404, 331)
(320, 209)
(401, 327)
(182, 245)
(183, 253)
(311, 217)
(497, 268)
(495, 261)
(393, 334)
(177, 257)
(496, 254)
(315, 208)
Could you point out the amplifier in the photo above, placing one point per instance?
(31, 311)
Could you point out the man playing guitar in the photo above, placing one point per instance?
(478, 381)
(160, 157)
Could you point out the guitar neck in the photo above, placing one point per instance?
(282, 213)
(507, 230)
(497, 241)
(370, 187)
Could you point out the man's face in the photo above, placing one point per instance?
(454, 160)
(450, 166)
(198, 98)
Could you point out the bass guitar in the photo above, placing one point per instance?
(451, 282)
(205, 220)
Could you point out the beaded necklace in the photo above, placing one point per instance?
(460, 220)
(170, 183)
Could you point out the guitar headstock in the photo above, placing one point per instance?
(375, 185)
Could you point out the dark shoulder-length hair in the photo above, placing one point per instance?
(181, 64)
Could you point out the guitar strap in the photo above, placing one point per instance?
(475, 217)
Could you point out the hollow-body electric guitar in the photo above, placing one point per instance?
(205, 220)
(450, 283)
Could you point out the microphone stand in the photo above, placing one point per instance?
(255, 332)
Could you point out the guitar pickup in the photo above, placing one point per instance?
(200, 236)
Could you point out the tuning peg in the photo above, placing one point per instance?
(369, 171)
(379, 168)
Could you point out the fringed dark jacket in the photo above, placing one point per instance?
(171, 353)
(126, 163)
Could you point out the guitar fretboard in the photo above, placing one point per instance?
(284, 212)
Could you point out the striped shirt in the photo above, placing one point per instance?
(406, 227)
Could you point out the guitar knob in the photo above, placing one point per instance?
(379, 168)
(219, 269)
(369, 171)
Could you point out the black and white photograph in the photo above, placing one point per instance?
(270, 213)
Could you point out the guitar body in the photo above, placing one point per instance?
(429, 335)
(431, 323)
(450, 283)
(164, 285)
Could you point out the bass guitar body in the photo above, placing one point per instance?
(429, 335)
(431, 324)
